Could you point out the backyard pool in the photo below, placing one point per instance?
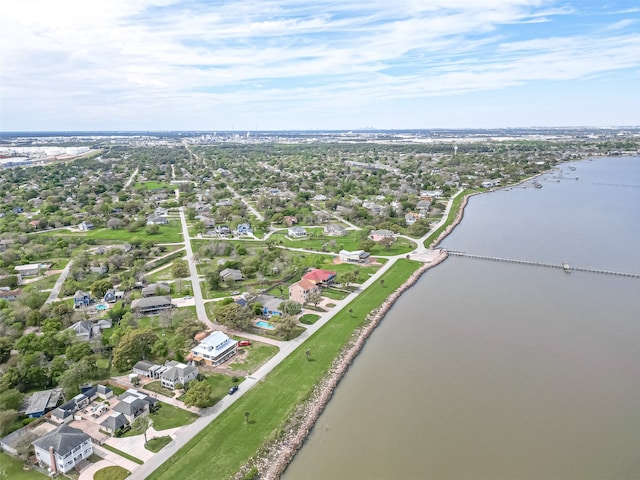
(264, 324)
(102, 306)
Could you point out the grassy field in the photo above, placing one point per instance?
(111, 473)
(12, 468)
(158, 388)
(455, 207)
(272, 401)
(257, 354)
(349, 242)
(158, 443)
(169, 416)
(309, 318)
(221, 385)
(334, 294)
(152, 185)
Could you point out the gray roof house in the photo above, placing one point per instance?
(335, 230)
(42, 402)
(178, 373)
(134, 403)
(231, 274)
(155, 289)
(114, 423)
(151, 305)
(63, 448)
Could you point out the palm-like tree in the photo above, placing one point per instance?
(246, 416)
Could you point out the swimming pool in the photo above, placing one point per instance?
(101, 307)
(264, 324)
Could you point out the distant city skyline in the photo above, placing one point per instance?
(292, 65)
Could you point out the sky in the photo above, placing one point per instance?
(311, 65)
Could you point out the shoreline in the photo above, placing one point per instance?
(274, 457)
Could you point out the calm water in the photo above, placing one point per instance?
(488, 370)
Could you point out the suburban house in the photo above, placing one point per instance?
(244, 229)
(99, 269)
(299, 291)
(411, 218)
(157, 220)
(224, 203)
(296, 232)
(134, 403)
(85, 226)
(114, 423)
(81, 299)
(490, 183)
(151, 305)
(86, 330)
(335, 230)
(357, 256)
(145, 368)
(15, 443)
(214, 349)
(178, 374)
(270, 305)
(290, 221)
(41, 402)
(429, 194)
(113, 295)
(30, 270)
(423, 205)
(156, 289)
(62, 449)
(377, 235)
(322, 278)
(222, 230)
(10, 295)
(231, 275)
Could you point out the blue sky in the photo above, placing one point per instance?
(328, 64)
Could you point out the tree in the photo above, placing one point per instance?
(200, 394)
(133, 346)
(11, 400)
(6, 345)
(142, 424)
(246, 416)
(180, 269)
(315, 297)
(382, 282)
(7, 419)
(386, 242)
(115, 223)
(233, 315)
(350, 312)
(152, 229)
(100, 287)
(78, 351)
(307, 353)
(290, 307)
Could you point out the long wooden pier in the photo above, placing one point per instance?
(562, 266)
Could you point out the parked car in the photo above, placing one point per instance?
(244, 343)
(233, 389)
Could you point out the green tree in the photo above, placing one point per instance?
(6, 345)
(290, 307)
(11, 400)
(142, 424)
(152, 229)
(233, 315)
(200, 394)
(246, 416)
(100, 287)
(78, 351)
(7, 420)
(180, 269)
(314, 296)
(133, 346)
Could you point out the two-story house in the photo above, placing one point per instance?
(62, 449)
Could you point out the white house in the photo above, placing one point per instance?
(296, 232)
(178, 373)
(62, 449)
(357, 256)
(215, 349)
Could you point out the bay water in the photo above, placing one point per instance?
(490, 370)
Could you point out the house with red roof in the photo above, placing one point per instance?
(299, 291)
(321, 278)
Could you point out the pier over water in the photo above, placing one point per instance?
(562, 266)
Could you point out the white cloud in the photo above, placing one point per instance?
(110, 56)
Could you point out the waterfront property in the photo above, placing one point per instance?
(214, 349)
(178, 373)
(357, 256)
(321, 278)
(151, 305)
(299, 291)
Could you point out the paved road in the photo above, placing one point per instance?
(251, 208)
(55, 291)
(130, 181)
(289, 348)
(193, 271)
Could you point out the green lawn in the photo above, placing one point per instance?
(334, 294)
(12, 467)
(152, 185)
(455, 207)
(309, 318)
(257, 354)
(349, 242)
(272, 401)
(158, 443)
(221, 384)
(111, 473)
(169, 416)
(158, 388)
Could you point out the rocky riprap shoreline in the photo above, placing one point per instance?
(272, 459)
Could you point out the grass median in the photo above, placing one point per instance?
(231, 437)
